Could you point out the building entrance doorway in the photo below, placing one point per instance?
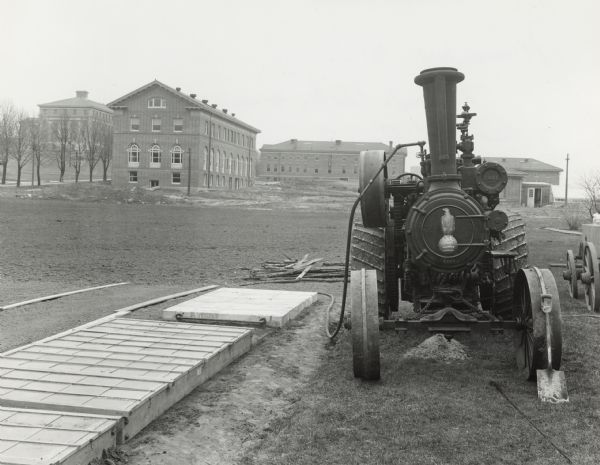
(534, 197)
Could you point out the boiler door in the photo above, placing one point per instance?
(445, 231)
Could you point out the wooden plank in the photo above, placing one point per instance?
(57, 296)
(118, 313)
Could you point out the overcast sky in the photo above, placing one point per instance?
(328, 69)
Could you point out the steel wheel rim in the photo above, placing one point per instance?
(573, 286)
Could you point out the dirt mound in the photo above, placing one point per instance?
(439, 348)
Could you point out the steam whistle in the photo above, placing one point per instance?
(466, 145)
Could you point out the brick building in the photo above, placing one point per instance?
(62, 123)
(530, 181)
(320, 159)
(158, 129)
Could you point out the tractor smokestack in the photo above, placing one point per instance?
(439, 92)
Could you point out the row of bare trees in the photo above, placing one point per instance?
(64, 140)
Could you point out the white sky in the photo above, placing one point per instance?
(328, 69)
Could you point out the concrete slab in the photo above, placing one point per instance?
(234, 304)
(135, 369)
(50, 437)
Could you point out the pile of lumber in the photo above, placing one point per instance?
(304, 269)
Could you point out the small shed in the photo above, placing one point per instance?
(536, 194)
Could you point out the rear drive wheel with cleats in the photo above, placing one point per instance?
(365, 324)
(531, 342)
(512, 240)
(368, 250)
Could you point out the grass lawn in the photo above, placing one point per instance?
(429, 412)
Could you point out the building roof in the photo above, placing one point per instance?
(79, 101)
(193, 103)
(523, 164)
(294, 145)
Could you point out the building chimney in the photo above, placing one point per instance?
(204, 101)
(338, 142)
(193, 96)
(214, 105)
(81, 93)
(178, 89)
(225, 110)
(391, 145)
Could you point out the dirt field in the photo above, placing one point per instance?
(293, 398)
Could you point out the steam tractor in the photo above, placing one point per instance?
(438, 241)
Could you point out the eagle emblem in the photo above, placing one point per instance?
(448, 243)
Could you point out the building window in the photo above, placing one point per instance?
(134, 124)
(217, 161)
(176, 156)
(178, 125)
(155, 124)
(343, 170)
(355, 169)
(206, 128)
(155, 156)
(282, 168)
(156, 102)
(304, 169)
(219, 132)
(176, 178)
(297, 169)
(268, 167)
(205, 157)
(133, 156)
(133, 176)
(316, 170)
(211, 163)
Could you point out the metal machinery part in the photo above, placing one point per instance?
(571, 275)
(368, 252)
(365, 324)
(531, 344)
(491, 178)
(590, 277)
(424, 231)
(439, 242)
(373, 204)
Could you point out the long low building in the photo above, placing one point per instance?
(163, 137)
(320, 159)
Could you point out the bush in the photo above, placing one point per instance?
(573, 221)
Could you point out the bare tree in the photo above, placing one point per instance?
(78, 145)
(106, 151)
(92, 132)
(20, 152)
(591, 186)
(7, 132)
(36, 146)
(61, 134)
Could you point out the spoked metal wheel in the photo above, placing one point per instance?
(590, 276)
(365, 324)
(531, 342)
(571, 275)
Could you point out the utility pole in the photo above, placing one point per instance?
(567, 182)
(189, 170)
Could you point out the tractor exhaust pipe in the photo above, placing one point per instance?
(439, 92)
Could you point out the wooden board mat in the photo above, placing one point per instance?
(135, 369)
(276, 307)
